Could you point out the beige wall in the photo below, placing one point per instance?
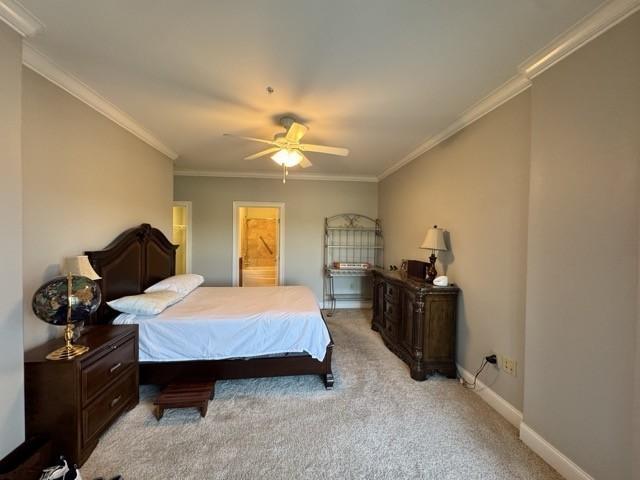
(85, 180)
(11, 372)
(307, 203)
(576, 214)
(583, 253)
(475, 185)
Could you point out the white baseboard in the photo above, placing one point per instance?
(352, 304)
(499, 404)
(550, 454)
(347, 304)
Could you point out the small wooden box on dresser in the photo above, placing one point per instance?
(74, 401)
(417, 322)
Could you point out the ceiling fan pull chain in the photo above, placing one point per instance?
(284, 173)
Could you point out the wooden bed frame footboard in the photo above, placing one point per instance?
(163, 373)
(142, 256)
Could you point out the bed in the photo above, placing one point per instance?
(142, 256)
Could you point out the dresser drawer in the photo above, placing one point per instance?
(391, 310)
(108, 405)
(391, 292)
(100, 373)
(390, 330)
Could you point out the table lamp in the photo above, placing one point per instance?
(434, 241)
(67, 300)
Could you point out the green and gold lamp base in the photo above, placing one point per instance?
(69, 350)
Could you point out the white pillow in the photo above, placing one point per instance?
(145, 303)
(183, 284)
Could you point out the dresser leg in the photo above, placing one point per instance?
(159, 412)
(418, 374)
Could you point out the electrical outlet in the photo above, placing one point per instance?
(508, 365)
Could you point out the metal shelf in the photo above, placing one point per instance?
(351, 296)
(350, 238)
(357, 229)
(354, 246)
(342, 272)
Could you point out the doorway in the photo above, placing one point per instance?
(181, 236)
(257, 244)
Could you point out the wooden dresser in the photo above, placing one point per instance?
(417, 322)
(74, 401)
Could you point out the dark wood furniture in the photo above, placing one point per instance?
(28, 460)
(74, 401)
(185, 395)
(142, 256)
(417, 322)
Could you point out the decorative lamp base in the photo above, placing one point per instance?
(432, 273)
(67, 352)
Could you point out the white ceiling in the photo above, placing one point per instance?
(376, 76)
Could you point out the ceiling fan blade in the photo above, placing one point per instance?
(304, 163)
(343, 152)
(262, 153)
(261, 140)
(296, 132)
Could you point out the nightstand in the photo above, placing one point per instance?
(74, 401)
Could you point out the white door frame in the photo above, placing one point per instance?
(235, 278)
(187, 205)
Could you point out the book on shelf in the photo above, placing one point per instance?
(351, 266)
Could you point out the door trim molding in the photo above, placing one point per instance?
(188, 206)
(235, 275)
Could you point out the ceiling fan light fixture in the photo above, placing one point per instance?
(287, 157)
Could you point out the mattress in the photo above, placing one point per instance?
(214, 323)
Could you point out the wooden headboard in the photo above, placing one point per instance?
(136, 259)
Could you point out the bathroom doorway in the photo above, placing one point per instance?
(258, 228)
(181, 236)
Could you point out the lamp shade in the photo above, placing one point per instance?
(80, 266)
(434, 240)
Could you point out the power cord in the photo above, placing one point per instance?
(472, 385)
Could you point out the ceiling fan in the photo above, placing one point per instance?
(286, 147)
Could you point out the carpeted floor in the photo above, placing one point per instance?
(377, 423)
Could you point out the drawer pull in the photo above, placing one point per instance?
(115, 401)
(113, 347)
(115, 367)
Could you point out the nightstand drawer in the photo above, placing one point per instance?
(97, 375)
(109, 405)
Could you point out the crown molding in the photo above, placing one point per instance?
(587, 29)
(277, 176)
(42, 65)
(19, 18)
(502, 94)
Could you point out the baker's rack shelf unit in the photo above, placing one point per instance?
(353, 247)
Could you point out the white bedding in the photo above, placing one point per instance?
(214, 323)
